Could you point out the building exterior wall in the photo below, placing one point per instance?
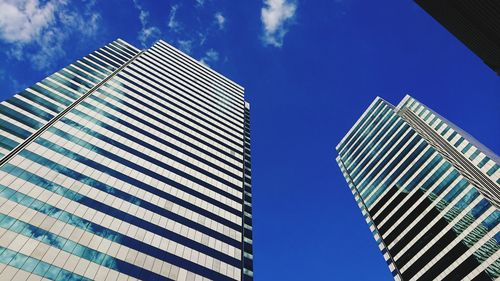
(431, 204)
(476, 23)
(127, 163)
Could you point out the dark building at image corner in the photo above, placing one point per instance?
(127, 164)
(474, 22)
(429, 192)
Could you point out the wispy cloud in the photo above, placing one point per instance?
(44, 27)
(23, 22)
(210, 56)
(185, 45)
(200, 3)
(276, 16)
(148, 32)
(11, 84)
(220, 20)
(173, 24)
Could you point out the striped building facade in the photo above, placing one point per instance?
(429, 192)
(127, 164)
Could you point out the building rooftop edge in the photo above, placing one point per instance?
(490, 153)
(204, 66)
(377, 98)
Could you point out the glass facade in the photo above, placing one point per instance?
(428, 191)
(127, 164)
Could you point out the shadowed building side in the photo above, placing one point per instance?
(474, 22)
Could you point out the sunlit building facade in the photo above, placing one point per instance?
(127, 164)
(429, 192)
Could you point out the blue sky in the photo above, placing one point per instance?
(309, 68)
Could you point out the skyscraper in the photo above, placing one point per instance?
(429, 192)
(474, 22)
(130, 164)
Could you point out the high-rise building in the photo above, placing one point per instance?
(127, 164)
(474, 22)
(429, 192)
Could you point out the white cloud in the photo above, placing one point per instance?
(200, 3)
(147, 33)
(210, 57)
(276, 15)
(173, 24)
(185, 45)
(220, 20)
(22, 21)
(44, 27)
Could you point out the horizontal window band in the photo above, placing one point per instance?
(132, 116)
(209, 91)
(84, 65)
(152, 61)
(141, 86)
(182, 187)
(438, 226)
(159, 120)
(120, 175)
(127, 53)
(117, 53)
(146, 157)
(73, 78)
(124, 216)
(473, 261)
(30, 108)
(365, 172)
(363, 160)
(49, 93)
(41, 101)
(105, 59)
(373, 128)
(114, 173)
(37, 267)
(191, 66)
(70, 84)
(131, 198)
(102, 69)
(7, 143)
(198, 113)
(14, 130)
(394, 130)
(345, 143)
(403, 144)
(227, 154)
(76, 249)
(423, 205)
(359, 134)
(445, 240)
(95, 60)
(230, 184)
(410, 186)
(17, 116)
(186, 95)
(372, 139)
(105, 233)
(392, 175)
(145, 133)
(187, 67)
(402, 181)
(91, 76)
(414, 198)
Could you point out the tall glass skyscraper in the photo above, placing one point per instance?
(429, 192)
(127, 164)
